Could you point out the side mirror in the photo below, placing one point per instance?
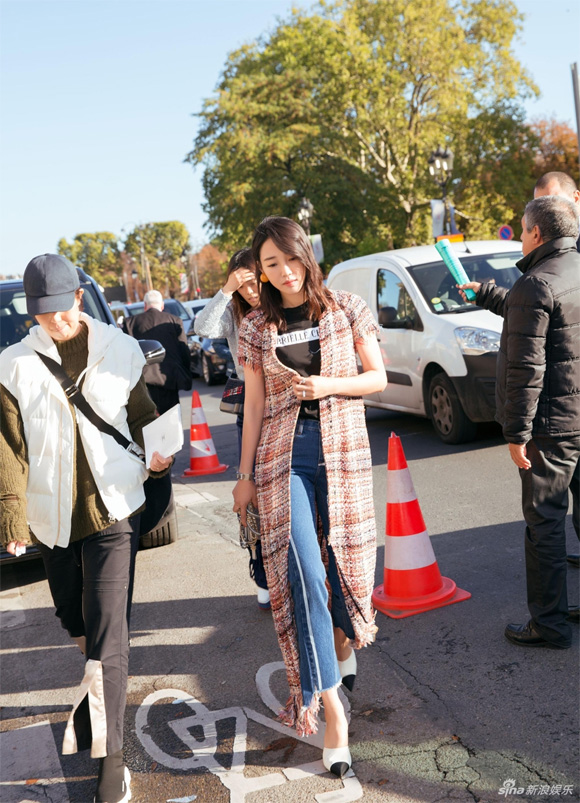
(152, 350)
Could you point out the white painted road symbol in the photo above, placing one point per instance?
(203, 750)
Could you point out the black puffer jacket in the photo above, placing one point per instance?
(538, 366)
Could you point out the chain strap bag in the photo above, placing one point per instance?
(250, 533)
(233, 396)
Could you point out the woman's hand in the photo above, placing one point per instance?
(16, 548)
(312, 387)
(237, 278)
(159, 463)
(244, 492)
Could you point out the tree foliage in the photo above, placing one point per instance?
(345, 104)
(97, 254)
(165, 246)
(557, 147)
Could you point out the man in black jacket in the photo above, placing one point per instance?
(538, 405)
(165, 379)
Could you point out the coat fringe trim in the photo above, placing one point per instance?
(364, 636)
(303, 717)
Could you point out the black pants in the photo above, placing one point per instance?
(545, 486)
(89, 581)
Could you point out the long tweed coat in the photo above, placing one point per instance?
(348, 466)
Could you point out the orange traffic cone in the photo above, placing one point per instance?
(203, 457)
(412, 582)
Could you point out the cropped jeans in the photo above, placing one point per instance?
(306, 571)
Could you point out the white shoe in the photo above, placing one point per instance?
(337, 760)
(264, 599)
(347, 670)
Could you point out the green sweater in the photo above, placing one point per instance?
(89, 514)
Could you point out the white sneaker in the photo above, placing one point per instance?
(264, 599)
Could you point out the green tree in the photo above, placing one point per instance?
(165, 247)
(97, 254)
(345, 104)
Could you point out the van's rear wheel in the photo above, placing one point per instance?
(446, 412)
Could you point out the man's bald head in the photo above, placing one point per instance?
(557, 183)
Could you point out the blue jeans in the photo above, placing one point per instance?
(306, 571)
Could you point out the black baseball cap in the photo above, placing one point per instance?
(50, 282)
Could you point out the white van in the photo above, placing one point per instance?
(440, 353)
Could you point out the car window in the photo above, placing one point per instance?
(14, 319)
(437, 285)
(394, 303)
(175, 308)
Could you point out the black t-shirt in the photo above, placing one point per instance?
(299, 348)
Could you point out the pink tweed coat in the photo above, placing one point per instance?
(348, 466)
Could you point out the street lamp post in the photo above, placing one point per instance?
(305, 212)
(441, 169)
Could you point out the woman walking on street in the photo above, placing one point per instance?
(304, 429)
(79, 491)
(221, 317)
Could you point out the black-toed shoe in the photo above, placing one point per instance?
(347, 670)
(574, 560)
(337, 760)
(574, 614)
(526, 636)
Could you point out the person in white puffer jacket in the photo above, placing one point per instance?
(76, 493)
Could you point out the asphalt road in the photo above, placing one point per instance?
(443, 708)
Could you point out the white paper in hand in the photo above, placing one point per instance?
(164, 435)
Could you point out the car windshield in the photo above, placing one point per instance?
(437, 285)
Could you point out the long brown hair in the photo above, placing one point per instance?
(291, 239)
(241, 259)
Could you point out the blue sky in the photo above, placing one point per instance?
(97, 100)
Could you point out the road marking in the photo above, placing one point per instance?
(203, 750)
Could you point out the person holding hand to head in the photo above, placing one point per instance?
(305, 432)
(538, 405)
(78, 492)
(221, 317)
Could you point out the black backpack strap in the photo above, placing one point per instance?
(74, 395)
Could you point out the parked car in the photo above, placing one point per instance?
(194, 306)
(171, 305)
(440, 353)
(14, 325)
(210, 358)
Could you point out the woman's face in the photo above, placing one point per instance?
(285, 272)
(62, 325)
(249, 292)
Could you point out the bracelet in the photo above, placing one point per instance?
(240, 476)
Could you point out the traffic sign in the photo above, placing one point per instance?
(506, 233)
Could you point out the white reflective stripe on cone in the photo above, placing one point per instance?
(400, 486)
(198, 416)
(202, 448)
(408, 551)
(91, 685)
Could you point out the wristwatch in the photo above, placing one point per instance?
(240, 476)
